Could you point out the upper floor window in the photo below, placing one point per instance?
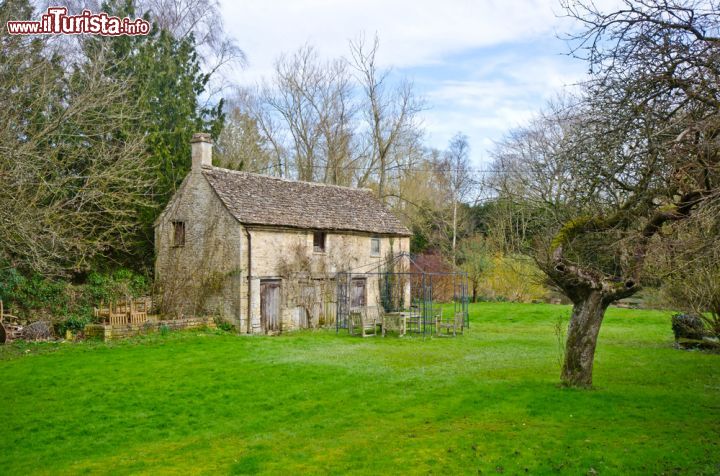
(319, 240)
(178, 233)
(374, 246)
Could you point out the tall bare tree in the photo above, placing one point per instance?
(311, 102)
(390, 115)
(637, 154)
(219, 54)
(455, 168)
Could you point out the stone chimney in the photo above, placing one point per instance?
(201, 146)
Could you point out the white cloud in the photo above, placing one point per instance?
(476, 61)
(412, 33)
(491, 100)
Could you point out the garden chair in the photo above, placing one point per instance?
(138, 311)
(118, 313)
(9, 327)
(392, 321)
(354, 321)
(362, 323)
(102, 313)
(454, 324)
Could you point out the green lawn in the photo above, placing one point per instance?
(316, 402)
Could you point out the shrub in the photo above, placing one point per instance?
(512, 278)
(121, 283)
(24, 294)
(74, 323)
(688, 326)
(223, 325)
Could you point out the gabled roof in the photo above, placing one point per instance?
(263, 200)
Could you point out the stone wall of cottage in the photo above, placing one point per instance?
(276, 251)
(204, 275)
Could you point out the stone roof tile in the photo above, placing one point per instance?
(255, 199)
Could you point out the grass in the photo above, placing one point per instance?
(317, 402)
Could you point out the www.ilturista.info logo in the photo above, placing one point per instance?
(57, 21)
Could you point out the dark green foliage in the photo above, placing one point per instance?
(121, 283)
(36, 297)
(21, 293)
(419, 242)
(687, 326)
(73, 323)
(433, 232)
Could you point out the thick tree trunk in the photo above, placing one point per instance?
(587, 316)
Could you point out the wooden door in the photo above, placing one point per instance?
(357, 292)
(270, 305)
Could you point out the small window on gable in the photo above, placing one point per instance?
(374, 246)
(319, 239)
(178, 233)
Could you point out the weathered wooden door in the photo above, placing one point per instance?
(357, 292)
(270, 305)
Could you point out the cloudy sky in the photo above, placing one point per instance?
(482, 66)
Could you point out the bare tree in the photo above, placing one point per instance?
(476, 259)
(242, 145)
(389, 113)
(310, 101)
(689, 266)
(271, 129)
(219, 53)
(455, 168)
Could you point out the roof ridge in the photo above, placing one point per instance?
(283, 179)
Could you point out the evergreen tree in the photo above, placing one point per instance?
(168, 87)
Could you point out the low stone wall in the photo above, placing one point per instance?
(119, 331)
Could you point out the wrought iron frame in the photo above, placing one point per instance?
(392, 294)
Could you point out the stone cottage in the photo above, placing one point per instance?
(263, 251)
